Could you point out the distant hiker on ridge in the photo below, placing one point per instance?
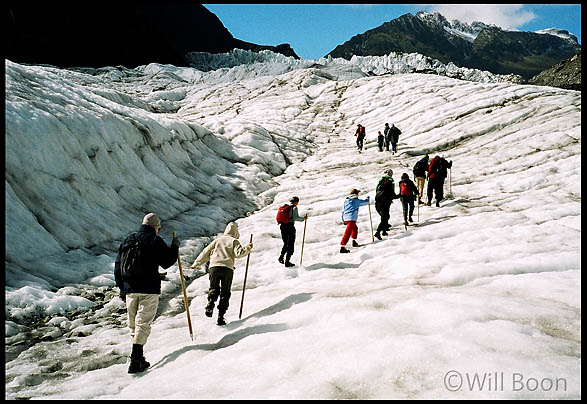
(380, 140)
(138, 278)
(436, 175)
(420, 173)
(287, 215)
(408, 193)
(395, 132)
(222, 253)
(350, 214)
(384, 196)
(360, 134)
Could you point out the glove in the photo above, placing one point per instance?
(368, 199)
(175, 241)
(122, 295)
(250, 246)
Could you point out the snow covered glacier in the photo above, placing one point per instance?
(489, 282)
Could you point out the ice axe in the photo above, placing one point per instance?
(371, 221)
(185, 295)
(303, 239)
(245, 282)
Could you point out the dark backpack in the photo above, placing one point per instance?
(420, 169)
(283, 214)
(132, 256)
(442, 167)
(404, 189)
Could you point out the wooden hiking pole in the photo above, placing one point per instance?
(371, 220)
(185, 295)
(240, 313)
(303, 239)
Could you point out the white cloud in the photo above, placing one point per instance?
(509, 16)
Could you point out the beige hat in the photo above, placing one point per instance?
(152, 220)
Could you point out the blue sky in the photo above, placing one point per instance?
(313, 30)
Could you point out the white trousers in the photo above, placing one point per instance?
(141, 308)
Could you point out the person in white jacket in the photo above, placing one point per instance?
(221, 253)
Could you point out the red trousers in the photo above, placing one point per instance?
(351, 232)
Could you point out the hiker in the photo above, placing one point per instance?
(221, 253)
(141, 288)
(436, 175)
(420, 173)
(286, 218)
(360, 134)
(395, 132)
(387, 135)
(408, 193)
(380, 140)
(384, 196)
(350, 214)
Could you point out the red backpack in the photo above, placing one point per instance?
(283, 215)
(404, 189)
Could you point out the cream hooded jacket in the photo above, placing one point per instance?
(224, 250)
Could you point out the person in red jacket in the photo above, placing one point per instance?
(360, 134)
(437, 172)
(408, 192)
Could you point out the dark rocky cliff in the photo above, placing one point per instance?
(107, 33)
(566, 74)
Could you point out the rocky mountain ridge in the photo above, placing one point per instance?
(477, 45)
(566, 74)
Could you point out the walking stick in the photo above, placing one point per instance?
(303, 239)
(185, 295)
(371, 220)
(240, 313)
(418, 208)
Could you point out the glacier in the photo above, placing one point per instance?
(487, 284)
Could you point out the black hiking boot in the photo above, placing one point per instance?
(138, 363)
(384, 233)
(438, 204)
(429, 203)
(378, 236)
(221, 320)
(355, 244)
(344, 250)
(411, 220)
(209, 308)
(289, 264)
(280, 259)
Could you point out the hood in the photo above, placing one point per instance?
(232, 230)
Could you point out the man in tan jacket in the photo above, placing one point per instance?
(221, 253)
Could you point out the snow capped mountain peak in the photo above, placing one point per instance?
(561, 33)
(455, 27)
